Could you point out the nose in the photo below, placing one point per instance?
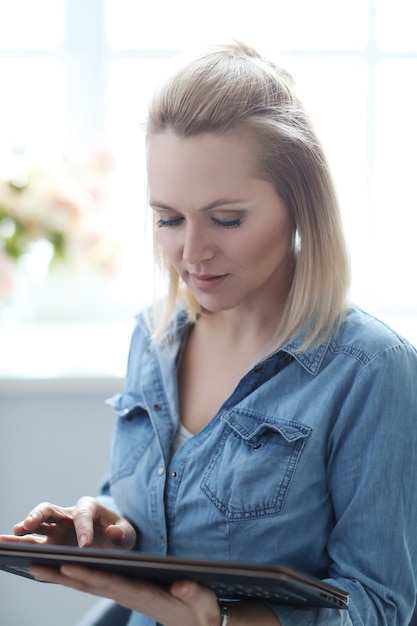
(197, 245)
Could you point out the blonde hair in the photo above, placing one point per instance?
(232, 88)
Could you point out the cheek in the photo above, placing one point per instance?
(169, 244)
(268, 245)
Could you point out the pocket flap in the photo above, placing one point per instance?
(249, 424)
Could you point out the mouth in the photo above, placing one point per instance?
(206, 281)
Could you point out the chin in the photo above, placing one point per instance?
(214, 307)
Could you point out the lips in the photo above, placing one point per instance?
(204, 281)
(206, 276)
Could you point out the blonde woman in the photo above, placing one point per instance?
(264, 418)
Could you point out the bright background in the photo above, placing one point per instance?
(75, 77)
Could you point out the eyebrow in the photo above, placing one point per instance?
(207, 207)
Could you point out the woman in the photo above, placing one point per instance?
(263, 417)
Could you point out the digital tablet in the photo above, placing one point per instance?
(228, 579)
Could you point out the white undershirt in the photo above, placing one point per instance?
(182, 436)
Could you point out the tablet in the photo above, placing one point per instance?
(230, 580)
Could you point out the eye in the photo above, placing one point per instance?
(169, 221)
(234, 223)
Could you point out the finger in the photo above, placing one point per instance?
(116, 535)
(95, 582)
(158, 604)
(121, 534)
(54, 575)
(86, 511)
(201, 600)
(95, 522)
(19, 529)
(28, 539)
(43, 513)
(136, 595)
(44, 529)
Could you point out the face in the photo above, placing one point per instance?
(227, 233)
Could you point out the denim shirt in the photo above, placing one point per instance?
(311, 462)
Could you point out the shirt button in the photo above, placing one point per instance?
(174, 474)
(161, 471)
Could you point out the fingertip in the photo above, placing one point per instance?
(67, 570)
(32, 519)
(121, 536)
(19, 529)
(183, 589)
(115, 534)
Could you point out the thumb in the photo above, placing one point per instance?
(185, 590)
(201, 600)
(122, 534)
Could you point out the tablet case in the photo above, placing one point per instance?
(228, 579)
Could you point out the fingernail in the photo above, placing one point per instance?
(82, 541)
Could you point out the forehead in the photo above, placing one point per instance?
(178, 166)
(202, 150)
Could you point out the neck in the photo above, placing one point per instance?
(238, 332)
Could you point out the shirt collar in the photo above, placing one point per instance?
(311, 359)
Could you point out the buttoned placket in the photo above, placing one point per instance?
(164, 424)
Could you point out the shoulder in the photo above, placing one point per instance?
(361, 340)
(374, 350)
(365, 337)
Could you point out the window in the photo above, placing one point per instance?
(84, 75)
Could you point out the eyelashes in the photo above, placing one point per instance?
(235, 223)
(172, 221)
(176, 221)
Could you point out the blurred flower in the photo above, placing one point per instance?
(65, 208)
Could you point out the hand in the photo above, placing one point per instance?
(185, 603)
(87, 524)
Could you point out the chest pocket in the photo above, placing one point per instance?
(251, 470)
(132, 435)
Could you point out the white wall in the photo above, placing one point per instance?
(54, 442)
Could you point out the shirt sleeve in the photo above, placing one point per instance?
(288, 616)
(372, 477)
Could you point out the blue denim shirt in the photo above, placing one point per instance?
(311, 462)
